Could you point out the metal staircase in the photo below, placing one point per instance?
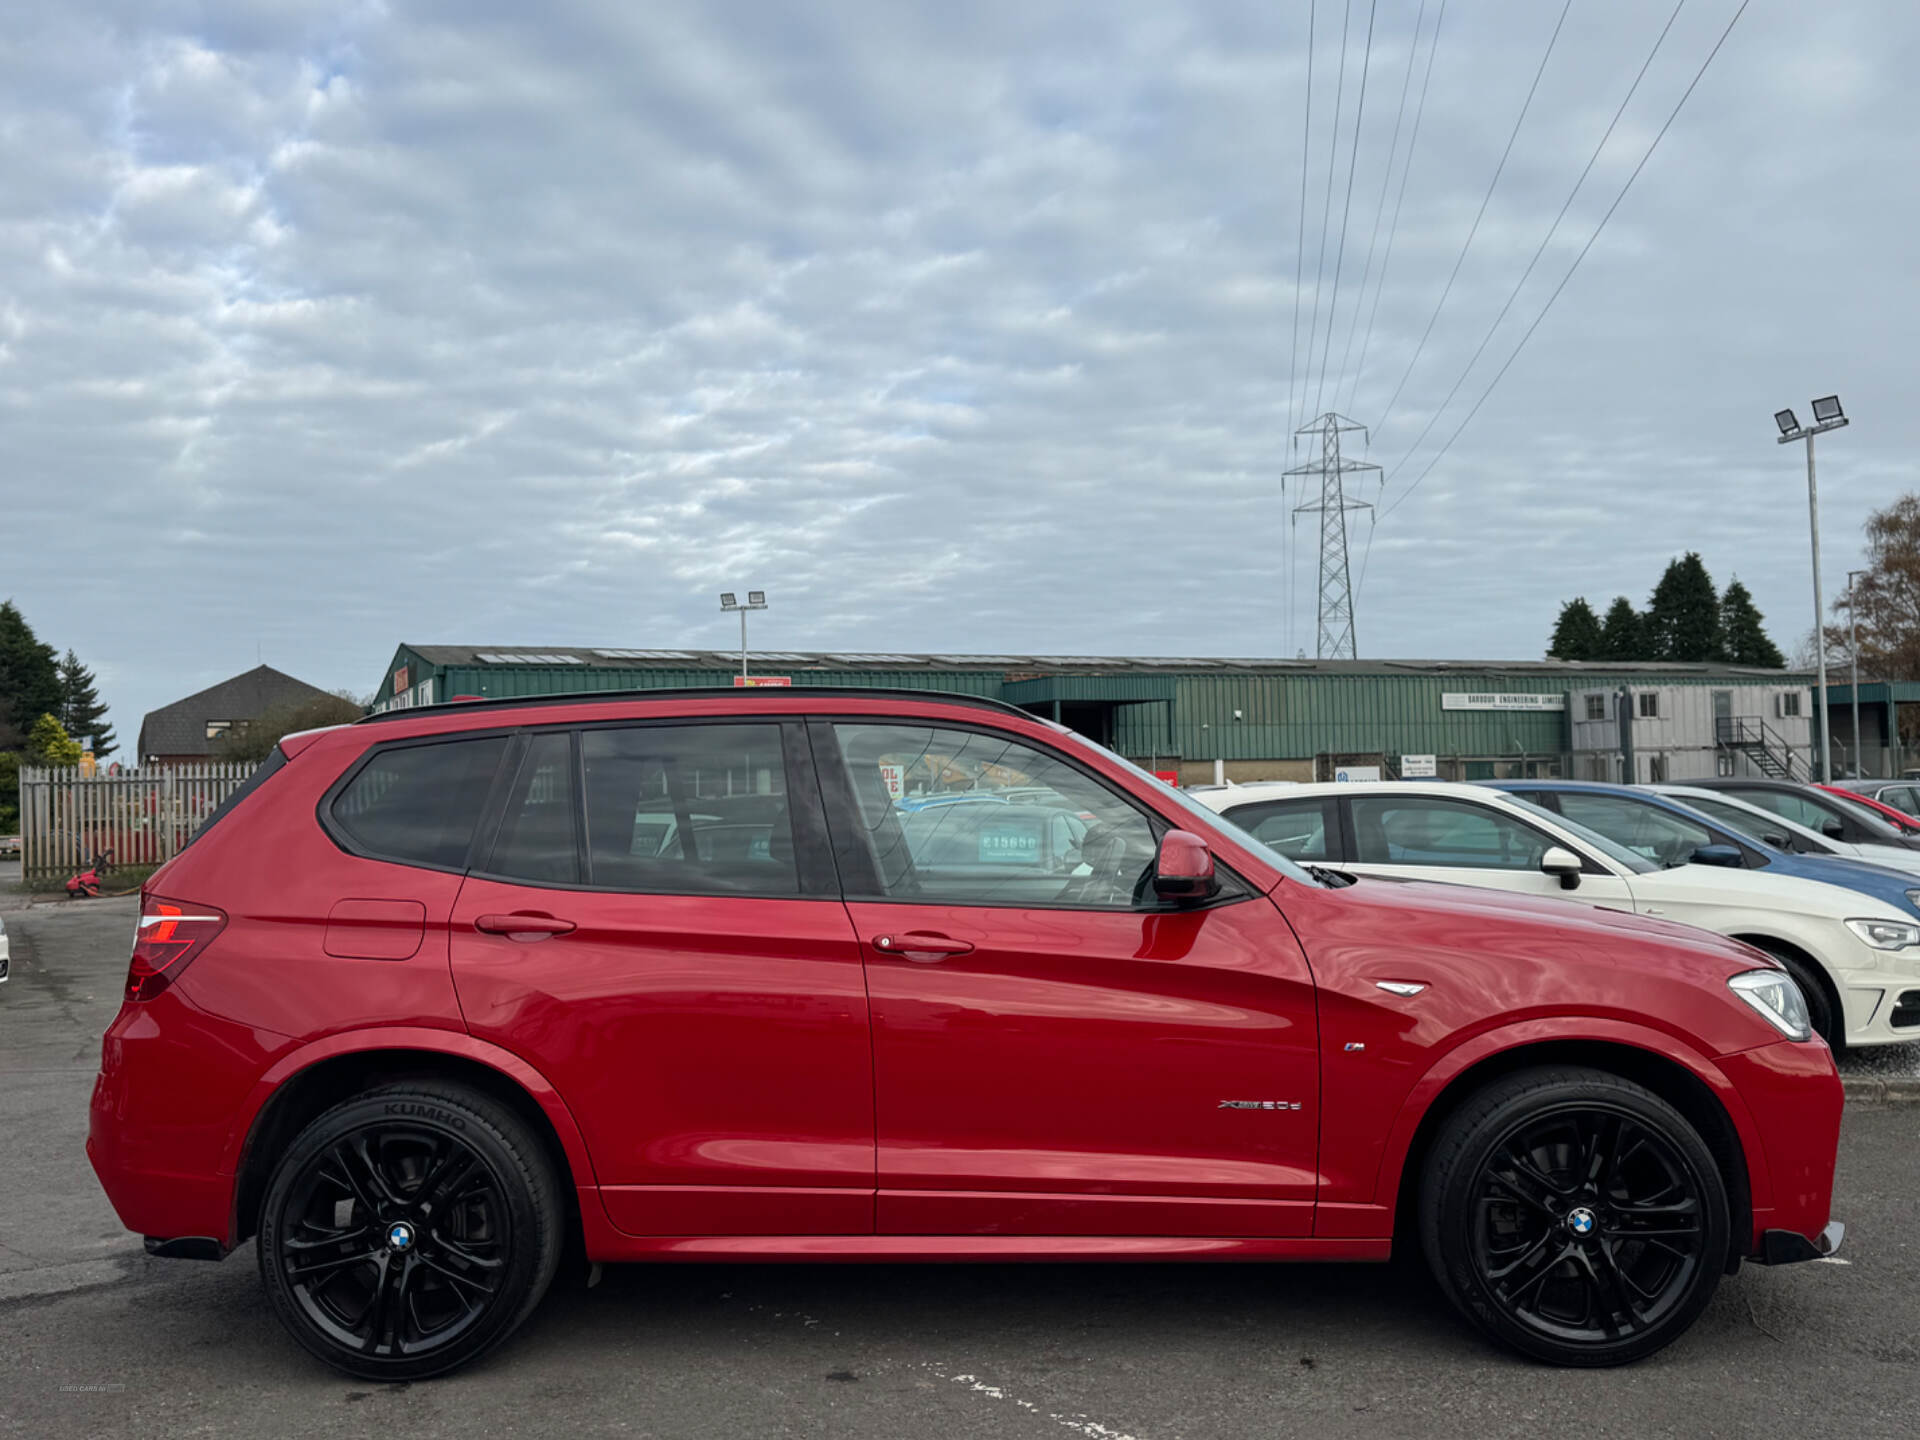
(1765, 748)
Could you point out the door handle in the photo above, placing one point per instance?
(922, 946)
(522, 927)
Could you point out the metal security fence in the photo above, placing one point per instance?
(143, 816)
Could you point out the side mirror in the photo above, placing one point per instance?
(1183, 870)
(1778, 839)
(1832, 829)
(1562, 862)
(1726, 855)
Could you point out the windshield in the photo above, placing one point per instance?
(1209, 820)
(1619, 854)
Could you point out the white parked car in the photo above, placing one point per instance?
(3, 948)
(1855, 957)
(1764, 824)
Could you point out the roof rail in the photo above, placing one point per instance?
(765, 694)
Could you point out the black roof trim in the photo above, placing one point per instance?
(683, 692)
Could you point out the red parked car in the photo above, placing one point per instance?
(665, 973)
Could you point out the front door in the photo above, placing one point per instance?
(1434, 837)
(677, 963)
(1054, 1052)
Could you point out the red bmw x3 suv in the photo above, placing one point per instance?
(821, 974)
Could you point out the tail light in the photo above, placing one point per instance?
(170, 934)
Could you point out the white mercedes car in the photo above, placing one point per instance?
(1855, 957)
(1750, 819)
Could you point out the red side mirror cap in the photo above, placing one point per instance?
(1183, 871)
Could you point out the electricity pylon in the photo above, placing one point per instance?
(1335, 640)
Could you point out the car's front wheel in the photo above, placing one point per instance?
(410, 1229)
(1574, 1215)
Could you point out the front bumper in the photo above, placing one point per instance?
(1790, 1247)
(1881, 998)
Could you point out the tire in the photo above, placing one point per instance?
(1574, 1216)
(1821, 1010)
(409, 1230)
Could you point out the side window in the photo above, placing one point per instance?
(537, 839)
(418, 804)
(1801, 812)
(1296, 828)
(1900, 797)
(941, 824)
(1647, 830)
(1412, 830)
(689, 810)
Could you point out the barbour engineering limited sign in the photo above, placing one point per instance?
(1455, 700)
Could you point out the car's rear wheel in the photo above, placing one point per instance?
(409, 1229)
(1574, 1215)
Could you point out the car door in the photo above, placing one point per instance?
(657, 930)
(1651, 831)
(1055, 1053)
(1440, 837)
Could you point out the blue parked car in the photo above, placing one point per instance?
(1668, 832)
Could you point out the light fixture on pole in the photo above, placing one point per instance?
(756, 600)
(1827, 415)
(1853, 648)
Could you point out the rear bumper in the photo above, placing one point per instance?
(1790, 1247)
(164, 1107)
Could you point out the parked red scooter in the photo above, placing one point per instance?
(86, 885)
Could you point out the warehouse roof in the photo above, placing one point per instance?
(560, 657)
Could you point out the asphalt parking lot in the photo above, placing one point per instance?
(98, 1340)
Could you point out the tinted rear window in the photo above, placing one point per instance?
(419, 803)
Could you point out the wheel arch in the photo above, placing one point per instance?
(1691, 1085)
(303, 1085)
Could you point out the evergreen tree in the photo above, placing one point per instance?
(81, 712)
(1576, 634)
(1620, 633)
(1683, 617)
(29, 681)
(48, 744)
(1743, 640)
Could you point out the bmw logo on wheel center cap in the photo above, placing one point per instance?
(400, 1236)
(1580, 1221)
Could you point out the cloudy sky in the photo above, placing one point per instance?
(326, 325)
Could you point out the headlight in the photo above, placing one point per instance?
(1886, 934)
(1777, 998)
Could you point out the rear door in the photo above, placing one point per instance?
(1439, 837)
(1055, 1053)
(656, 929)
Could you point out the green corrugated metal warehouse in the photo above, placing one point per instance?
(1241, 719)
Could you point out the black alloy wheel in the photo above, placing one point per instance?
(408, 1230)
(1576, 1216)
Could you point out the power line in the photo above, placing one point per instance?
(1426, 78)
(1300, 247)
(1576, 260)
(1545, 240)
(1380, 209)
(1485, 201)
(1393, 227)
(1326, 206)
(1346, 211)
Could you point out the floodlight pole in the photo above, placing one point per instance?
(1819, 616)
(1807, 433)
(756, 600)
